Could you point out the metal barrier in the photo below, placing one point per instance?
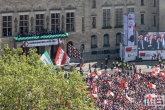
(89, 57)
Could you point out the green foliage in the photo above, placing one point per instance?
(25, 84)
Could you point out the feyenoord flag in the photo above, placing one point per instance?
(46, 58)
(61, 57)
(73, 52)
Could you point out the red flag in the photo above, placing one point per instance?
(122, 84)
(61, 57)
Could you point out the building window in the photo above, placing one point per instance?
(39, 22)
(7, 26)
(119, 17)
(154, 20)
(55, 22)
(83, 26)
(154, 3)
(70, 22)
(93, 3)
(142, 18)
(24, 23)
(118, 38)
(93, 41)
(106, 17)
(106, 39)
(130, 10)
(142, 2)
(93, 22)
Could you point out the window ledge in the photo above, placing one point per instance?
(106, 45)
(94, 46)
(120, 26)
(142, 5)
(7, 36)
(71, 32)
(107, 27)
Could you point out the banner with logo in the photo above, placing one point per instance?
(125, 30)
(152, 55)
(130, 53)
(131, 26)
(46, 42)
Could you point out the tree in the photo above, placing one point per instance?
(26, 84)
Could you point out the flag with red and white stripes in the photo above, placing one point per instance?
(73, 52)
(61, 57)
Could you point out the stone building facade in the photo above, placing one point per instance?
(97, 24)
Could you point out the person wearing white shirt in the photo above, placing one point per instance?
(162, 40)
(146, 38)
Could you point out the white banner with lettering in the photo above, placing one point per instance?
(152, 55)
(130, 53)
(46, 42)
(131, 26)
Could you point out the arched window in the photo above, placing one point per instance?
(93, 3)
(106, 39)
(93, 41)
(118, 38)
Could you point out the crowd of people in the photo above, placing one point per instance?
(128, 90)
(43, 32)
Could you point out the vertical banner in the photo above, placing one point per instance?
(131, 26)
(125, 30)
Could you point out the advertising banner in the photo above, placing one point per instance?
(46, 42)
(130, 53)
(131, 26)
(125, 29)
(151, 40)
(152, 55)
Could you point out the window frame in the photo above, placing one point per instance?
(154, 3)
(93, 3)
(70, 24)
(83, 24)
(56, 26)
(118, 36)
(94, 40)
(142, 2)
(106, 39)
(93, 20)
(39, 26)
(142, 18)
(154, 20)
(7, 28)
(107, 19)
(24, 20)
(118, 21)
(129, 9)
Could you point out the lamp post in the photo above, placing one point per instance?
(122, 54)
(82, 51)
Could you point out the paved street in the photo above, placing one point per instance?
(141, 65)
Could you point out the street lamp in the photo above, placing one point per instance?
(121, 44)
(82, 51)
